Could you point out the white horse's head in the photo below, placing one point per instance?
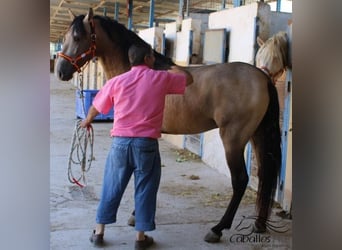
(273, 55)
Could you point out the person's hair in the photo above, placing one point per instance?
(137, 53)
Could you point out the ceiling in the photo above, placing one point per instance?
(62, 11)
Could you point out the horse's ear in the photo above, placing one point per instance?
(90, 15)
(260, 41)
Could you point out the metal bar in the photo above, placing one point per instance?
(237, 3)
(278, 5)
(180, 9)
(116, 11)
(285, 132)
(130, 10)
(151, 17)
(256, 34)
(223, 4)
(104, 11)
(164, 20)
(187, 8)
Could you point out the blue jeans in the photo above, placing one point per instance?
(130, 155)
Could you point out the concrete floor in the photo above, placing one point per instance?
(191, 199)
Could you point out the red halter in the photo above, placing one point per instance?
(90, 51)
(272, 76)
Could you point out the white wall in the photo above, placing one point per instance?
(176, 140)
(213, 152)
(193, 25)
(183, 44)
(279, 22)
(171, 38)
(240, 22)
(203, 17)
(154, 37)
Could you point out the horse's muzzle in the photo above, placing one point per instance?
(64, 71)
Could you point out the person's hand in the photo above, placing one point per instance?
(92, 112)
(85, 124)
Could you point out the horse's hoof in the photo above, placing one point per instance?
(212, 237)
(131, 221)
(259, 227)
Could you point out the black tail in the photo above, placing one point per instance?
(267, 142)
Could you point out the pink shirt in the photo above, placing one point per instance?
(138, 98)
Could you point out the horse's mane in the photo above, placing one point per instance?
(275, 48)
(77, 25)
(122, 37)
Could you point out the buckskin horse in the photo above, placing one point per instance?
(237, 98)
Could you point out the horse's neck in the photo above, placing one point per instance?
(114, 59)
(111, 66)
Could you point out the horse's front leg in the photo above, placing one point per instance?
(239, 179)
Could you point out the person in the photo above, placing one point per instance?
(138, 98)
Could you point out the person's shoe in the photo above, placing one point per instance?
(96, 239)
(143, 244)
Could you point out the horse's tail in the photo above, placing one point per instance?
(267, 140)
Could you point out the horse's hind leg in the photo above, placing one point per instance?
(262, 207)
(235, 159)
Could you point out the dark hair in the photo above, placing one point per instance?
(137, 53)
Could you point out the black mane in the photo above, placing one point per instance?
(124, 38)
(77, 25)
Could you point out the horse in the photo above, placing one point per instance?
(273, 55)
(237, 98)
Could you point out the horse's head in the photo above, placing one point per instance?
(78, 47)
(273, 55)
(110, 43)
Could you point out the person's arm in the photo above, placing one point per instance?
(92, 112)
(177, 70)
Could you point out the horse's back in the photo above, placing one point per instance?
(234, 95)
(235, 72)
(235, 83)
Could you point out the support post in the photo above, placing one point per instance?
(151, 18)
(180, 9)
(237, 3)
(223, 4)
(130, 16)
(187, 8)
(278, 5)
(116, 11)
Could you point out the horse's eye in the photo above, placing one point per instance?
(76, 38)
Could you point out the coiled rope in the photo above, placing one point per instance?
(81, 153)
(81, 150)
